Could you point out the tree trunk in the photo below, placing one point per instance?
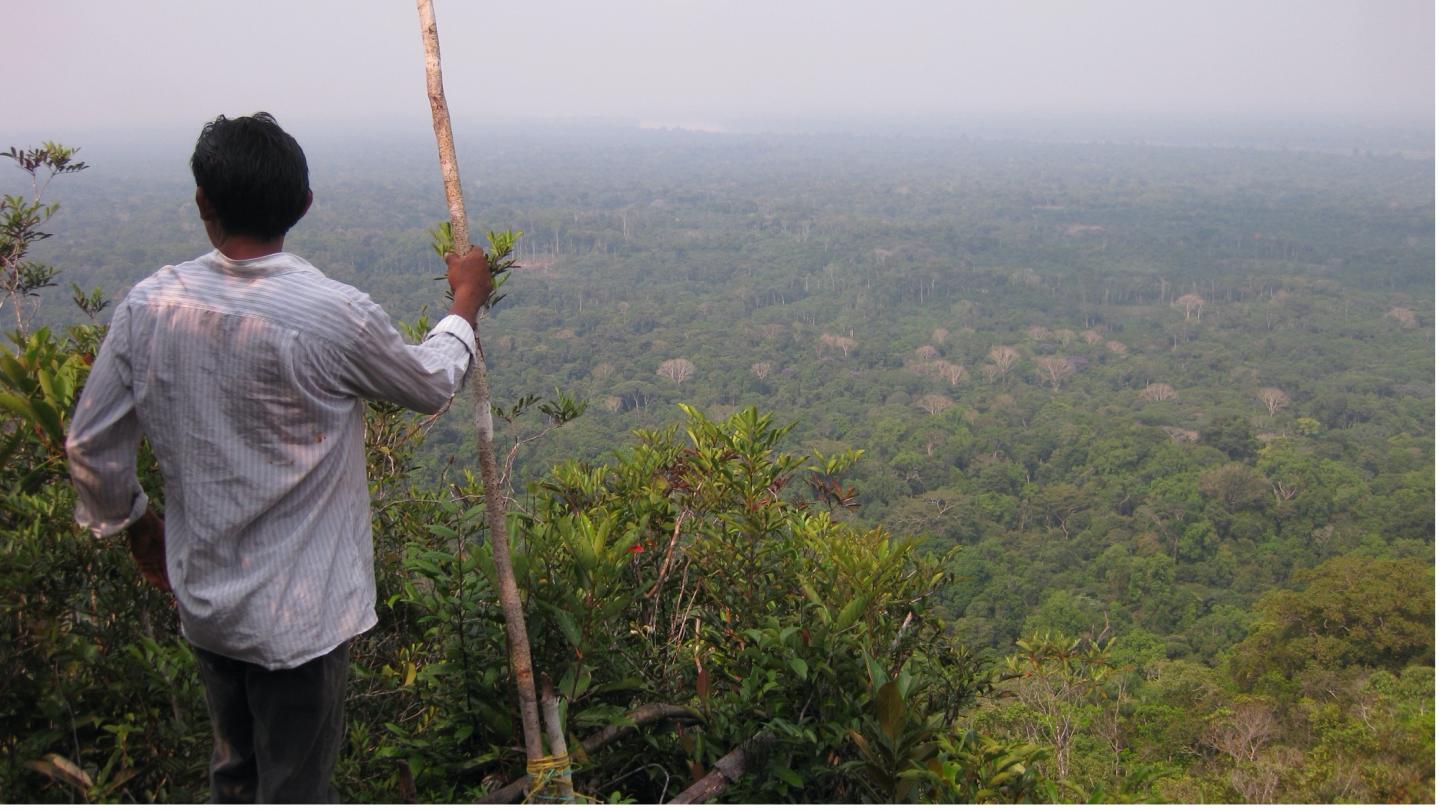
(484, 424)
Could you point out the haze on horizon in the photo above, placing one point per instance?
(156, 64)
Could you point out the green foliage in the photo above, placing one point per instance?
(910, 759)
(701, 565)
(1232, 436)
(21, 221)
(1352, 612)
(692, 571)
(1088, 510)
(38, 388)
(102, 697)
(1055, 683)
(102, 701)
(500, 254)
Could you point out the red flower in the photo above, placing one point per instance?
(636, 549)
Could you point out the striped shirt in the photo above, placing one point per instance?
(249, 380)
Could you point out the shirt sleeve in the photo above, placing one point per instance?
(381, 365)
(104, 438)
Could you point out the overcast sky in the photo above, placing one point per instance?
(72, 64)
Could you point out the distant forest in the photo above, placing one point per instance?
(1161, 418)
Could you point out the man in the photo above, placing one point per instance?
(247, 369)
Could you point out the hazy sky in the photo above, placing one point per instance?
(72, 64)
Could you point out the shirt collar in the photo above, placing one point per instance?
(269, 264)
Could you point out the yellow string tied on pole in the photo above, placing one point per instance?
(547, 773)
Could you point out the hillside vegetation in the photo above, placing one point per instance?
(942, 470)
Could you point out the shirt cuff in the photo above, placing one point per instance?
(106, 528)
(459, 328)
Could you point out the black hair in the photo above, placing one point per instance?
(253, 173)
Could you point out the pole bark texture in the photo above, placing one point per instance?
(515, 631)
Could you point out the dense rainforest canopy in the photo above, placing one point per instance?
(945, 469)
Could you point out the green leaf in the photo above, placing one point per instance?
(441, 239)
(47, 382)
(49, 419)
(789, 777)
(809, 591)
(851, 611)
(13, 371)
(567, 625)
(630, 684)
(801, 668)
(17, 405)
(890, 710)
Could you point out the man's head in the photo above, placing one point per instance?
(252, 174)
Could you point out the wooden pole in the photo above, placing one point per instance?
(555, 730)
(484, 424)
(634, 720)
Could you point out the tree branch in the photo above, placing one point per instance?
(727, 771)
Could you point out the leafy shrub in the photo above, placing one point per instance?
(707, 573)
(101, 699)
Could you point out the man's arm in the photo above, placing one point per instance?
(101, 446)
(104, 437)
(380, 365)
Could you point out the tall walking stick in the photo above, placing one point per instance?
(484, 423)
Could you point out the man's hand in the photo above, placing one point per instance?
(147, 546)
(469, 278)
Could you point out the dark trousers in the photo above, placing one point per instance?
(277, 732)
